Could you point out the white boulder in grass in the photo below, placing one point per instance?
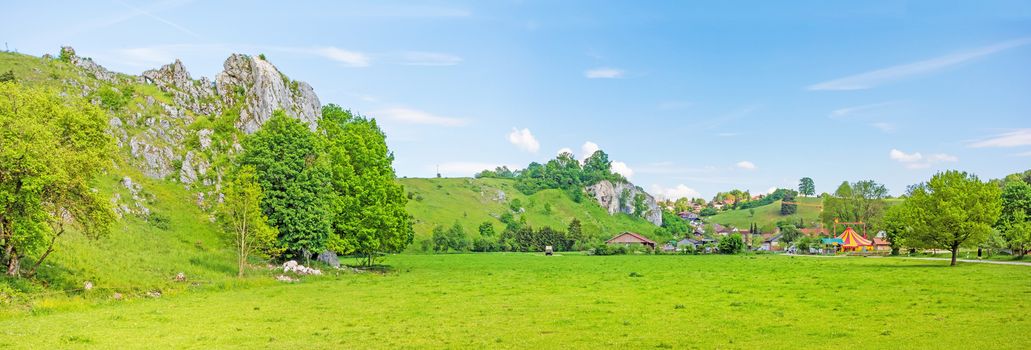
(293, 266)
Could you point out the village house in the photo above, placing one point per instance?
(631, 238)
(772, 244)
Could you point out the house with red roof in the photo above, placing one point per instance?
(631, 238)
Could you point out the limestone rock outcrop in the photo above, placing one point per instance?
(620, 197)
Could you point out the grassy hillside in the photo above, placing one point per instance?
(473, 201)
(767, 216)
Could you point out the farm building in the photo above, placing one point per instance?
(880, 244)
(772, 243)
(631, 238)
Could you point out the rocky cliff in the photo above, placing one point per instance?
(165, 120)
(623, 197)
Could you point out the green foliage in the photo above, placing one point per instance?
(243, 222)
(111, 98)
(1014, 223)
(789, 232)
(293, 177)
(564, 173)
(788, 206)
(453, 239)
(501, 172)
(50, 151)
(8, 76)
(486, 229)
(707, 211)
(806, 187)
(731, 244)
(861, 201)
(952, 210)
(367, 203)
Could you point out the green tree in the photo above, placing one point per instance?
(861, 201)
(1015, 220)
(806, 187)
(440, 239)
(788, 206)
(369, 205)
(486, 229)
(952, 210)
(51, 149)
(457, 238)
(8, 76)
(896, 226)
(286, 158)
(731, 244)
(243, 222)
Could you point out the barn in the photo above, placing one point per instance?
(631, 238)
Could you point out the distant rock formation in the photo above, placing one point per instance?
(619, 197)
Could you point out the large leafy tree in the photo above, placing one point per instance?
(806, 186)
(1015, 219)
(368, 203)
(952, 210)
(245, 225)
(285, 155)
(861, 201)
(50, 151)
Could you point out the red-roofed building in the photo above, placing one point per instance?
(881, 244)
(629, 238)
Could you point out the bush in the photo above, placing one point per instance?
(484, 244)
(731, 244)
(605, 249)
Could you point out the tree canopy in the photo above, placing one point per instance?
(952, 210)
(51, 149)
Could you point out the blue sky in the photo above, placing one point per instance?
(690, 99)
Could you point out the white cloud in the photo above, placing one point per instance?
(603, 73)
(413, 116)
(904, 157)
(622, 169)
(420, 58)
(564, 150)
(675, 192)
(524, 140)
(873, 78)
(916, 160)
(771, 190)
(588, 149)
(1023, 154)
(744, 164)
(1015, 138)
(349, 58)
(862, 110)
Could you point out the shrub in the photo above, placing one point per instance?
(731, 244)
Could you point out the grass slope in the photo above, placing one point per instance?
(574, 301)
(768, 215)
(470, 202)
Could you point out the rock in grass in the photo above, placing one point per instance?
(329, 258)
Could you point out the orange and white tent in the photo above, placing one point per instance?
(853, 241)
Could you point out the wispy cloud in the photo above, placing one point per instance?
(603, 73)
(414, 116)
(1015, 138)
(884, 126)
(150, 13)
(348, 58)
(744, 164)
(523, 139)
(859, 111)
(420, 58)
(877, 77)
(588, 149)
(916, 160)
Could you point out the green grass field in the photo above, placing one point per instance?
(473, 201)
(575, 301)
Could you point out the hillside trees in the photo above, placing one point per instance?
(952, 210)
(368, 205)
(50, 151)
(565, 173)
(861, 201)
(293, 176)
(806, 187)
(246, 226)
(788, 206)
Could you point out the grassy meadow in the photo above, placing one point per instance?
(768, 215)
(516, 300)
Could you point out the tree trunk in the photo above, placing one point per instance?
(955, 250)
(12, 262)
